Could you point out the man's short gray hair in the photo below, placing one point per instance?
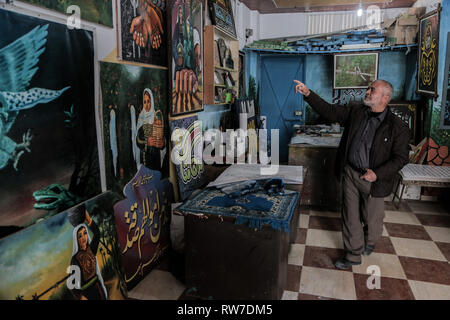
(388, 88)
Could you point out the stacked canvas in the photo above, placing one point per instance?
(77, 242)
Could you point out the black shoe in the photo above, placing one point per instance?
(368, 250)
(345, 264)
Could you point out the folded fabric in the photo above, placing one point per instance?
(273, 186)
(248, 202)
(256, 209)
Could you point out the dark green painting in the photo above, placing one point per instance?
(49, 158)
(98, 11)
(135, 124)
(355, 70)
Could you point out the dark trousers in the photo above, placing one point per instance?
(362, 215)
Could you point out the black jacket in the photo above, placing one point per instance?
(390, 149)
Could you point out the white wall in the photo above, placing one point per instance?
(105, 36)
(275, 25)
(245, 18)
(265, 26)
(430, 4)
(281, 25)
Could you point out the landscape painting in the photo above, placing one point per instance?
(73, 255)
(355, 70)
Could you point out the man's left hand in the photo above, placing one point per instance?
(369, 176)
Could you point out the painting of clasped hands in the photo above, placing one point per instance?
(142, 31)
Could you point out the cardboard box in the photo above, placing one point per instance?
(418, 12)
(411, 34)
(388, 23)
(401, 30)
(407, 20)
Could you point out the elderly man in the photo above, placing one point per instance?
(373, 148)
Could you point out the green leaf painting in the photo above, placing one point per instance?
(98, 11)
(355, 70)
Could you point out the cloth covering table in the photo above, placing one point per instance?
(236, 251)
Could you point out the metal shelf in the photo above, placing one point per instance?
(385, 48)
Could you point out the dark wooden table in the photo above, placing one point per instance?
(229, 261)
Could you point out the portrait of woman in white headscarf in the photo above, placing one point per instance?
(90, 285)
(150, 133)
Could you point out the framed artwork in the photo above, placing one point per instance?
(141, 31)
(445, 106)
(216, 54)
(221, 13)
(428, 53)
(218, 78)
(419, 152)
(143, 224)
(242, 88)
(356, 70)
(135, 126)
(407, 112)
(73, 255)
(222, 51)
(49, 158)
(187, 132)
(219, 96)
(187, 60)
(98, 11)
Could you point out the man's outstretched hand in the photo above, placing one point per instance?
(302, 88)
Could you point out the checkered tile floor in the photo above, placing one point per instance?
(413, 257)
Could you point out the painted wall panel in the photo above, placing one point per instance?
(442, 137)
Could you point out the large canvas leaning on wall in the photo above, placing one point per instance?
(143, 222)
(73, 255)
(187, 60)
(135, 126)
(98, 11)
(48, 143)
(142, 31)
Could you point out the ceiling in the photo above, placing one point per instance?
(287, 6)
